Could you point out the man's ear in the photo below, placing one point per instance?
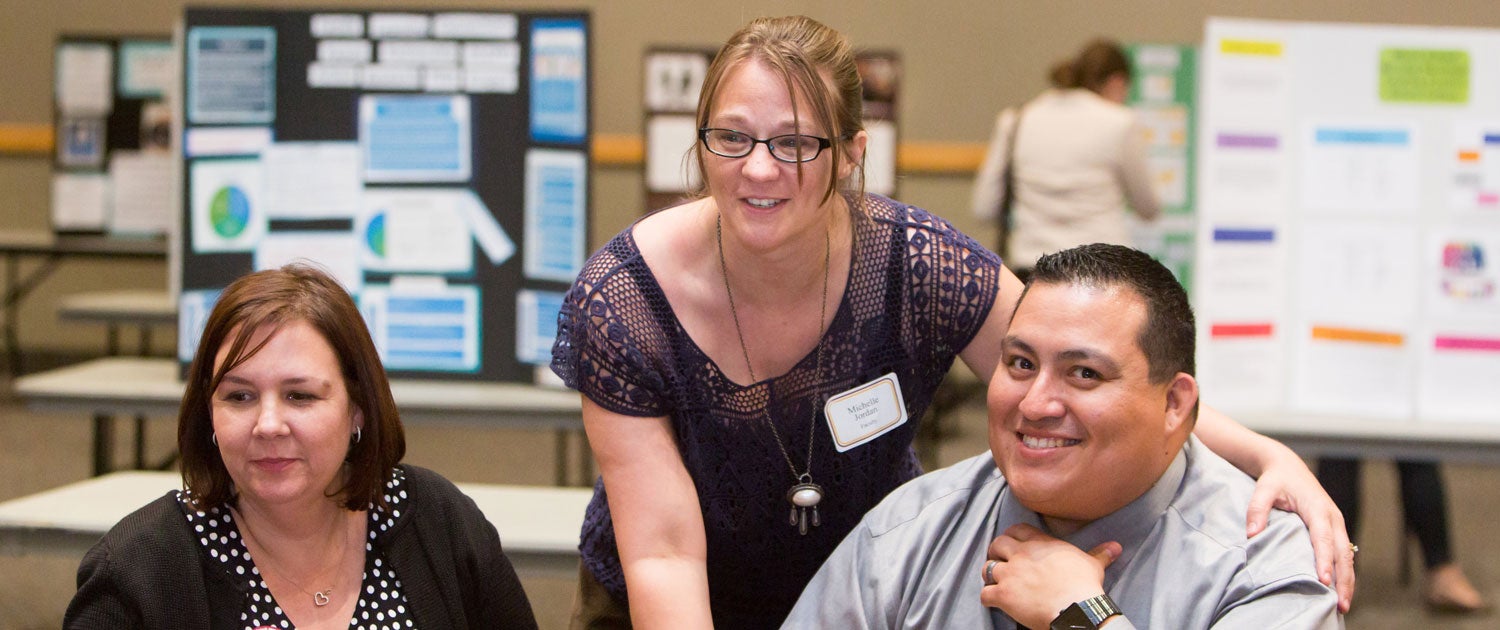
(1182, 404)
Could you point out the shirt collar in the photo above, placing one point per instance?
(1128, 525)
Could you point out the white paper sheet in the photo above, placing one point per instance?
(880, 157)
(335, 252)
(80, 201)
(84, 79)
(145, 197)
(1460, 368)
(669, 167)
(312, 180)
(1365, 168)
(415, 230)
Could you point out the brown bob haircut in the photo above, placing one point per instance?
(815, 61)
(1099, 60)
(269, 300)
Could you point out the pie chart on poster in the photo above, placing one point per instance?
(375, 235)
(229, 211)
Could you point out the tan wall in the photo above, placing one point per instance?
(963, 61)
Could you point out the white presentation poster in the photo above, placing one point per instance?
(1370, 156)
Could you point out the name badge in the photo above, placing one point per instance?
(865, 412)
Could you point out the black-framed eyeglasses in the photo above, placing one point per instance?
(792, 147)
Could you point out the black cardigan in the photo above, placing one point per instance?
(148, 572)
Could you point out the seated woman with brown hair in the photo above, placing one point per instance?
(297, 511)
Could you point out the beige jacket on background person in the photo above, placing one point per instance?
(1080, 160)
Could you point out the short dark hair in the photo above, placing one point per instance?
(269, 300)
(1167, 337)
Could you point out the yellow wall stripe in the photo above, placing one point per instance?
(25, 139)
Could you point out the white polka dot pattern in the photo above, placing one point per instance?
(382, 604)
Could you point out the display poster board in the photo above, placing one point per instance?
(1163, 94)
(113, 170)
(435, 162)
(1350, 220)
(673, 78)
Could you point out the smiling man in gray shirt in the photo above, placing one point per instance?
(1095, 506)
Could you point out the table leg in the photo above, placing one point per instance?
(560, 457)
(112, 340)
(585, 460)
(104, 442)
(140, 442)
(12, 353)
(16, 289)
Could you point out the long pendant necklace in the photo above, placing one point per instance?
(804, 495)
(320, 598)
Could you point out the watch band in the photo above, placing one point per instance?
(1087, 614)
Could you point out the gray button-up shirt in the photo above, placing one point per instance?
(915, 560)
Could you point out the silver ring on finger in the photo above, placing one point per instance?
(989, 572)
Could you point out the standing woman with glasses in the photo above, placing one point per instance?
(754, 363)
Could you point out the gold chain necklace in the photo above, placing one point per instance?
(803, 495)
(320, 598)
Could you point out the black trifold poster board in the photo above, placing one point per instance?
(435, 162)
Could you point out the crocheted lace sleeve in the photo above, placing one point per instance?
(954, 281)
(613, 333)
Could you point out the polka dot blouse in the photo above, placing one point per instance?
(382, 604)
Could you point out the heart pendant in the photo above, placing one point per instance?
(320, 599)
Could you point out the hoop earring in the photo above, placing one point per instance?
(214, 437)
(358, 433)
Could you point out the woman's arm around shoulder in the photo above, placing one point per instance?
(1284, 482)
(982, 355)
(657, 519)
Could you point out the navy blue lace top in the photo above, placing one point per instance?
(918, 291)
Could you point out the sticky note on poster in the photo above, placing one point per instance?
(424, 324)
(536, 325)
(1415, 75)
(556, 187)
(408, 138)
(559, 102)
(225, 205)
(231, 74)
(429, 230)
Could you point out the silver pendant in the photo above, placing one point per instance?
(804, 497)
(319, 599)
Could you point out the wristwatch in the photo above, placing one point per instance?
(1087, 614)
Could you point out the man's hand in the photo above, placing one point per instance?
(1032, 576)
